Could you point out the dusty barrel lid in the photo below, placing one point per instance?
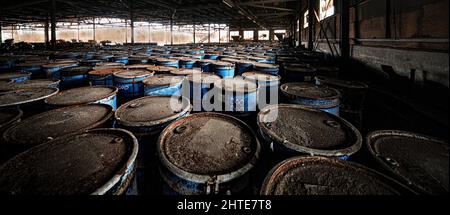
(13, 75)
(324, 176)
(162, 69)
(60, 64)
(81, 95)
(223, 64)
(55, 123)
(135, 73)
(301, 90)
(78, 70)
(166, 60)
(163, 80)
(35, 83)
(26, 95)
(185, 71)
(88, 163)
(151, 111)
(266, 65)
(203, 78)
(225, 154)
(104, 72)
(235, 84)
(229, 60)
(9, 116)
(339, 83)
(187, 59)
(420, 161)
(299, 68)
(109, 65)
(204, 61)
(308, 131)
(261, 77)
(246, 62)
(139, 66)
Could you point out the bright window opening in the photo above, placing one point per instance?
(326, 9)
(305, 19)
(248, 35)
(263, 35)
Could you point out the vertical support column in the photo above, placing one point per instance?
(300, 24)
(241, 34)
(53, 23)
(255, 35)
(93, 28)
(219, 33)
(209, 33)
(1, 39)
(78, 29)
(46, 27)
(271, 34)
(149, 32)
(132, 21)
(126, 31)
(345, 30)
(311, 25)
(171, 31)
(194, 32)
(388, 18)
(229, 34)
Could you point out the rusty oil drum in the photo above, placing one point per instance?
(292, 130)
(195, 159)
(97, 162)
(29, 100)
(416, 160)
(324, 176)
(84, 95)
(35, 83)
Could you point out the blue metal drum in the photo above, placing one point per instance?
(31, 67)
(244, 66)
(137, 60)
(129, 83)
(237, 94)
(223, 69)
(267, 68)
(167, 62)
(268, 86)
(85, 153)
(313, 96)
(102, 77)
(185, 72)
(91, 62)
(199, 86)
(299, 72)
(293, 130)
(15, 77)
(187, 63)
(162, 70)
(52, 69)
(205, 65)
(84, 95)
(212, 56)
(120, 59)
(74, 76)
(109, 65)
(36, 83)
(163, 85)
(210, 162)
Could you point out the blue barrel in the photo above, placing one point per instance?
(102, 77)
(74, 76)
(162, 69)
(237, 94)
(299, 73)
(40, 128)
(267, 68)
(268, 86)
(187, 63)
(31, 67)
(137, 60)
(91, 62)
(129, 82)
(212, 56)
(313, 96)
(84, 95)
(15, 77)
(163, 85)
(114, 177)
(244, 66)
(120, 59)
(293, 130)
(52, 69)
(198, 56)
(205, 65)
(300, 176)
(199, 86)
(223, 69)
(210, 162)
(45, 83)
(167, 62)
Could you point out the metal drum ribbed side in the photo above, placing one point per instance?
(163, 85)
(223, 69)
(74, 76)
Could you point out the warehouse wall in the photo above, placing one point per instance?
(409, 37)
